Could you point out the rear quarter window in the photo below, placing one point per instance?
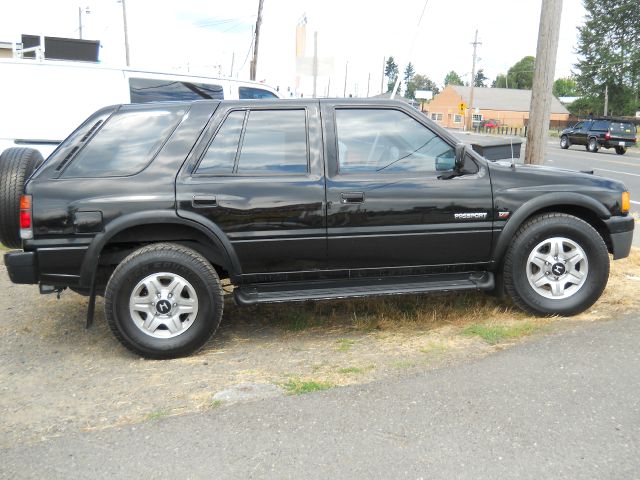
(126, 143)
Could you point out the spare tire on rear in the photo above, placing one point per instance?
(16, 166)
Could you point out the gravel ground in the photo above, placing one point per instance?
(57, 377)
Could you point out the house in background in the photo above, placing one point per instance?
(509, 106)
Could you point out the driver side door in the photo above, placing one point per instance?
(388, 205)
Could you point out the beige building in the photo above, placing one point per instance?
(510, 107)
(6, 50)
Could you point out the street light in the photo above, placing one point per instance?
(87, 11)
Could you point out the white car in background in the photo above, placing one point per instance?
(42, 102)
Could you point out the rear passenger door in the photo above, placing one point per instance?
(257, 175)
(388, 205)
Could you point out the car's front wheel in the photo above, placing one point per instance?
(164, 301)
(564, 142)
(557, 264)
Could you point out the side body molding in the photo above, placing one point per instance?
(554, 199)
(218, 239)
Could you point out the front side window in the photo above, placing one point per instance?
(578, 126)
(145, 90)
(386, 141)
(126, 143)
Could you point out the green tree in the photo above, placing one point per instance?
(420, 82)
(452, 78)
(391, 72)
(519, 76)
(565, 87)
(609, 56)
(409, 72)
(481, 79)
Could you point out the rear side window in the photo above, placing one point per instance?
(272, 142)
(145, 90)
(254, 93)
(221, 154)
(600, 126)
(125, 144)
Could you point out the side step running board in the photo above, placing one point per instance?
(362, 287)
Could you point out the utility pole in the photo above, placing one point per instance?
(233, 58)
(473, 79)
(315, 62)
(606, 99)
(368, 80)
(384, 64)
(80, 22)
(126, 33)
(544, 70)
(346, 70)
(254, 61)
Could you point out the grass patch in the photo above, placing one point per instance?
(355, 370)
(300, 387)
(345, 344)
(157, 415)
(403, 364)
(434, 347)
(215, 404)
(494, 334)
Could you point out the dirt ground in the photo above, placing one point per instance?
(55, 376)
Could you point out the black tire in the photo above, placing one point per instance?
(534, 232)
(564, 142)
(621, 150)
(175, 259)
(16, 166)
(592, 145)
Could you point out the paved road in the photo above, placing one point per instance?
(562, 406)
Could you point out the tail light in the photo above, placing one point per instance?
(26, 225)
(607, 136)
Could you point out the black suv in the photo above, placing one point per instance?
(598, 133)
(152, 205)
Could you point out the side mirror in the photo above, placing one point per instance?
(461, 151)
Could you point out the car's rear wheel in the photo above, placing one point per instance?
(621, 150)
(16, 166)
(564, 142)
(164, 301)
(592, 145)
(557, 264)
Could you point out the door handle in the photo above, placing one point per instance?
(352, 197)
(204, 201)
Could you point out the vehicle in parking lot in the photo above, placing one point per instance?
(600, 133)
(290, 200)
(490, 123)
(41, 102)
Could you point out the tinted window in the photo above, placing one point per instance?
(578, 126)
(144, 90)
(126, 143)
(275, 141)
(386, 141)
(221, 154)
(600, 126)
(623, 128)
(254, 93)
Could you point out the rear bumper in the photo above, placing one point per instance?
(22, 267)
(621, 233)
(618, 143)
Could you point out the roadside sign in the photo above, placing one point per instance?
(462, 107)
